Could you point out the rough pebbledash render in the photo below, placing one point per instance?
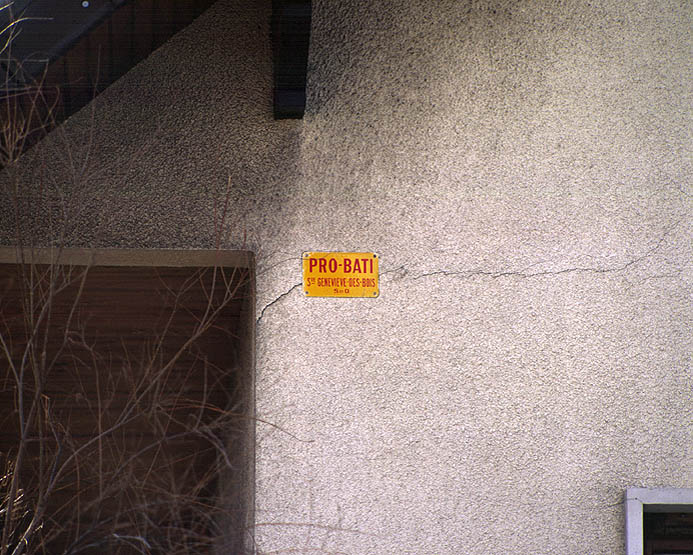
(524, 171)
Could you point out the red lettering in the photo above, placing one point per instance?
(357, 266)
(365, 264)
(322, 266)
(312, 264)
(347, 265)
(333, 265)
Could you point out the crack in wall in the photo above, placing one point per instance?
(279, 298)
(402, 270)
(577, 269)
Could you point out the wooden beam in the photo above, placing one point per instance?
(290, 45)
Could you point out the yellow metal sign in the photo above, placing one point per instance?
(340, 274)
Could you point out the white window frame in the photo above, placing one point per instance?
(657, 500)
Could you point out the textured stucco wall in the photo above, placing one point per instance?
(524, 170)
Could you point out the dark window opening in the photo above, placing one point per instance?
(668, 533)
(125, 408)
